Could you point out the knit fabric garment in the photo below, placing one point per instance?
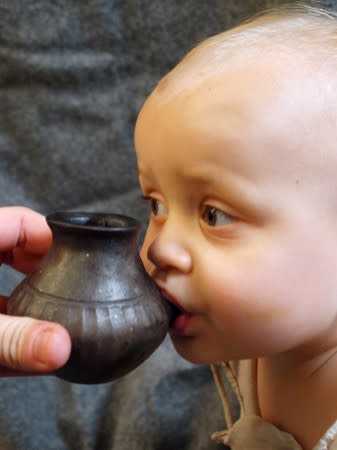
(249, 431)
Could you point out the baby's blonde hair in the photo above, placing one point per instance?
(289, 27)
(296, 34)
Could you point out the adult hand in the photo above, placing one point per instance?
(27, 346)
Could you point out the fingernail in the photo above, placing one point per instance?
(51, 348)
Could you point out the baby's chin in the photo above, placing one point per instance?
(188, 349)
(193, 350)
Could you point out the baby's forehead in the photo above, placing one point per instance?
(287, 42)
(260, 78)
(203, 72)
(287, 98)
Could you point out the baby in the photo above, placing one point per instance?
(237, 156)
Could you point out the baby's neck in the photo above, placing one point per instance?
(299, 397)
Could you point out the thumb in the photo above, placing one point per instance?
(32, 345)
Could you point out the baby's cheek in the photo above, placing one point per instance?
(243, 300)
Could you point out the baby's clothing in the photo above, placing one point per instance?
(250, 431)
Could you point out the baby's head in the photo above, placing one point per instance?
(237, 154)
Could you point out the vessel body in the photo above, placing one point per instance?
(93, 283)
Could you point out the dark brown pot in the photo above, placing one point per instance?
(94, 284)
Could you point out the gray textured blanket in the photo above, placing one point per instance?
(73, 75)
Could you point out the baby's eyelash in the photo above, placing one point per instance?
(146, 198)
(156, 206)
(150, 201)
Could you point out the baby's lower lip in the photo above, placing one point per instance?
(180, 323)
(180, 317)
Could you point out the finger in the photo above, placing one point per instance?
(24, 262)
(24, 229)
(4, 372)
(3, 304)
(31, 345)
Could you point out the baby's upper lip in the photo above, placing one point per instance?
(170, 298)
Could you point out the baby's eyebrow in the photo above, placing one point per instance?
(202, 173)
(238, 191)
(141, 169)
(140, 172)
(142, 175)
(145, 177)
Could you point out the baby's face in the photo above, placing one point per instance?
(242, 234)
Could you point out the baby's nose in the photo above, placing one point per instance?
(169, 255)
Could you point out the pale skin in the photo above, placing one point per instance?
(27, 346)
(239, 167)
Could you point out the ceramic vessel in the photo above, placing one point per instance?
(93, 283)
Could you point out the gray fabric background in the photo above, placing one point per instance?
(73, 75)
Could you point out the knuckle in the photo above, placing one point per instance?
(14, 332)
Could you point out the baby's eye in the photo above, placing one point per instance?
(215, 217)
(157, 207)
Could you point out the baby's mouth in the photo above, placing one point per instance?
(178, 316)
(173, 308)
(173, 311)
